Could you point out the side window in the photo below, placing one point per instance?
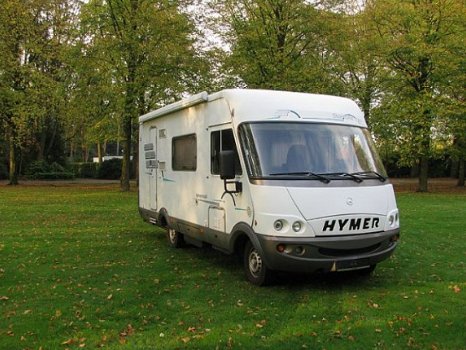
(184, 153)
(222, 140)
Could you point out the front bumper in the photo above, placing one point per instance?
(339, 253)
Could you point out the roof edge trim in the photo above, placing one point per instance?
(173, 107)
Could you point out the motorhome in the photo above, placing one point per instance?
(289, 181)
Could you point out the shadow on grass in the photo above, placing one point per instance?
(232, 265)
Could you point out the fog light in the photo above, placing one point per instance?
(299, 250)
(297, 226)
(278, 225)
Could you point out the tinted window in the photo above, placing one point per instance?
(184, 153)
(222, 140)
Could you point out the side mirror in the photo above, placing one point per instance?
(227, 165)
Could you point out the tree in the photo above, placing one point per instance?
(354, 48)
(277, 44)
(413, 35)
(33, 74)
(152, 54)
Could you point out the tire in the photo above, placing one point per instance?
(175, 239)
(254, 266)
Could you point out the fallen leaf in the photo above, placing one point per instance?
(185, 339)
(4, 297)
(68, 342)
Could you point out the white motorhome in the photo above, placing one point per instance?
(291, 181)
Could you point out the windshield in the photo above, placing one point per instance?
(274, 149)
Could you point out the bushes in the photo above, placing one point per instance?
(3, 171)
(110, 169)
(41, 170)
(85, 170)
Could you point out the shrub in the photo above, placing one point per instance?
(85, 170)
(3, 171)
(41, 170)
(38, 166)
(110, 169)
(52, 176)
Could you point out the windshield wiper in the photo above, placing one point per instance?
(351, 176)
(376, 174)
(304, 173)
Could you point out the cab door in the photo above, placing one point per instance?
(222, 206)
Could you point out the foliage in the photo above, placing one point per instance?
(80, 269)
(74, 75)
(152, 56)
(111, 169)
(41, 170)
(277, 44)
(3, 171)
(52, 176)
(85, 170)
(419, 40)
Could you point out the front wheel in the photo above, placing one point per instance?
(254, 266)
(175, 239)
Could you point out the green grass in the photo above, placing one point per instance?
(79, 269)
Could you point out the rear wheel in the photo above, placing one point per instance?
(254, 266)
(175, 239)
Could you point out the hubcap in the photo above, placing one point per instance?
(255, 263)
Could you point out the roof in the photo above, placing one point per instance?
(252, 105)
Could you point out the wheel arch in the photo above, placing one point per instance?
(163, 219)
(241, 234)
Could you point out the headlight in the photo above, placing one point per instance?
(391, 220)
(278, 225)
(297, 226)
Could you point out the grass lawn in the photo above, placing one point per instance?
(79, 269)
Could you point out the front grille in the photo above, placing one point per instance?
(348, 252)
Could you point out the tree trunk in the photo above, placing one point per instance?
(125, 166)
(99, 152)
(460, 182)
(42, 139)
(454, 168)
(130, 111)
(13, 173)
(414, 171)
(423, 174)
